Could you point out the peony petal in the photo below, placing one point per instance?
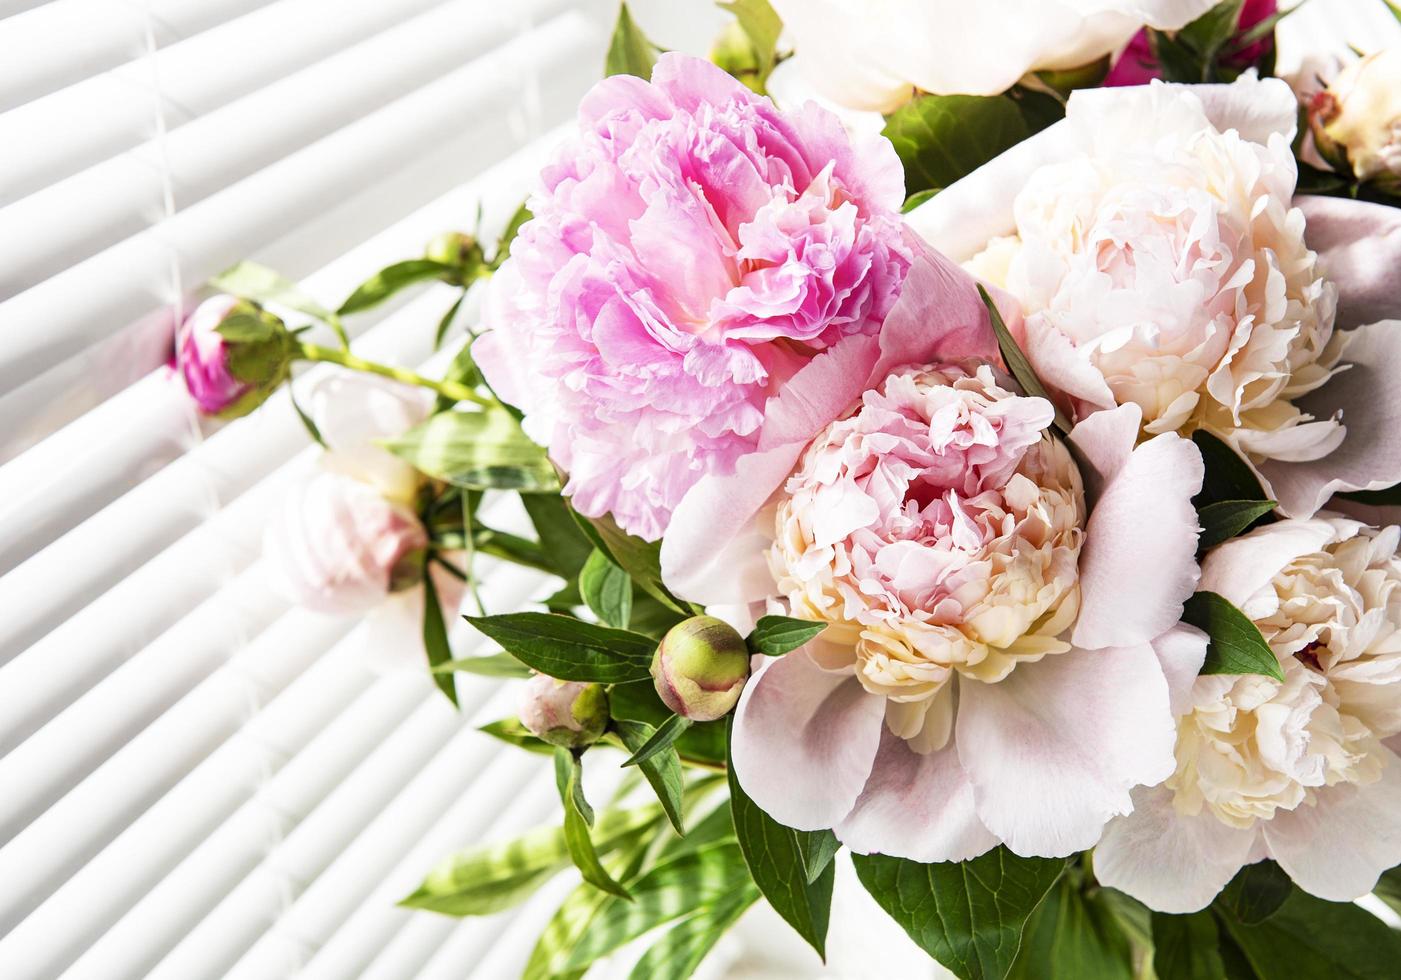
(1105, 442)
(1054, 749)
(1170, 862)
(1138, 565)
(1240, 567)
(1359, 250)
(1370, 402)
(1181, 651)
(823, 389)
(1337, 848)
(804, 741)
(916, 806)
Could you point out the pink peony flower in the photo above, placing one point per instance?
(230, 378)
(1137, 66)
(1003, 647)
(692, 249)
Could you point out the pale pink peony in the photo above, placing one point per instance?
(1003, 645)
(1298, 770)
(692, 248)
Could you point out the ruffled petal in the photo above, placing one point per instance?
(1241, 567)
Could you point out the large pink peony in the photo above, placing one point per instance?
(1003, 648)
(692, 248)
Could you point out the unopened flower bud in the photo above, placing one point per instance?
(1356, 122)
(232, 354)
(457, 249)
(568, 713)
(700, 668)
(734, 52)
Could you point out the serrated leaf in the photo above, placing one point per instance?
(1308, 937)
(435, 638)
(662, 770)
(1225, 519)
(1228, 477)
(392, 279)
(1234, 645)
(491, 877)
(629, 52)
(578, 816)
(1186, 947)
(570, 649)
(680, 950)
(491, 665)
(777, 635)
(774, 854)
(1073, 934)
(762, 26)
(1017, 363)
(704, 877)
(660, 740)
(606, 590)
(943, 138)
(512, 732)
(476, 451)
(968, 915)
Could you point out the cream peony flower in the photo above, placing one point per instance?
(1293, 770)
(1154, 246)
(1357, 119)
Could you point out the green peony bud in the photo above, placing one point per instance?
(700, 668)
(568, 713)
(459, 250)
(734, 52)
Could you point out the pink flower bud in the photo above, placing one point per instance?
(700, 668)
(568, 713)
(232, 355)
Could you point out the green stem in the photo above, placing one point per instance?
(451, 389)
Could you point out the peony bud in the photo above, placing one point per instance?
(567, 713)
(457, 249)
(735, 54)
(700, 667)
(1356, 122)
(232, 354)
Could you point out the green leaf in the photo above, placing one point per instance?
(1389, 888)
(1228, 477)
(508, 237)
(649, 616)
(918, 198)
(774, 854)
(1209, 33)
(968, 915)
(762, 26)
(663, 770)
(246, 326)
(705, 877)
(629, 53)
(680, 950)
(1225, 519)
(435, 638)
(390, 280)
(1018, 364)
(1308, 937)
(1388, 497)
(263, 285)
(565, 546)
(942, 138)
(569, 649)
(660, 740)
(499, 544)
(1235, 645)
(492, 665)
(776, 635)
(1073, 933)
(1186, 947)
(1256, 892)
(640, 559)
(462, 370)
(491, 877)
(638, 701)
(511, 731)
(578, 815)
(306, 420)
(607, 590)
(446, 323)
(477, 451)
(817, 847)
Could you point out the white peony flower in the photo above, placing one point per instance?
(1357, 119)
(1293, 770)
(873, 54)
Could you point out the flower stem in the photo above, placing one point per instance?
(450, 389)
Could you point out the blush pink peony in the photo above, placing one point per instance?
(1003, 648)
(692, 249)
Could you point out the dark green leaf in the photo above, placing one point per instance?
(565, 546)
(508, 237)
(663, 770)
(629, 53)
(1073, 933)
(607, 590)
(968, 915)
(1186, 947)
(435, 638)
(1389, 888)
(680, 950)
(578, 815)
(511, 731)
(774, 854)
(762, 26)
(1389, 497)
(1228, 477)
(776, 635)
(390, 280)
(638, 701)
(650, 616)
(1208, 34)
(818, 847)
(492, 665)
(1235, 645)
(660, 740)
(1017, 363)
(1256, 892)
(1308, 937)
(569, 778)
(640, 559)
(942, 138)
(569, 649)
(702, 878)
(478, 451)
(1225, 519)
(507, 547)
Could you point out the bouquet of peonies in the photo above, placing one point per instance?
(1001, 492)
